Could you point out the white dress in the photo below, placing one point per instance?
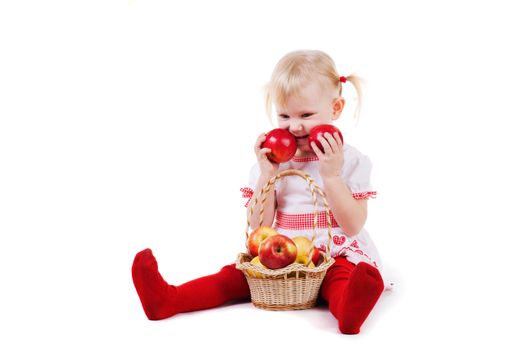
(295, 208)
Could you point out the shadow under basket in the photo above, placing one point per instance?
(296, 286)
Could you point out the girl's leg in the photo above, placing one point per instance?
(161, 300)
(351, 292)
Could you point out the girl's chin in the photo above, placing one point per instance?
(303, 150)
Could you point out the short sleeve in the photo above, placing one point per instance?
(255, 172)
(356, 173)
(247, 192)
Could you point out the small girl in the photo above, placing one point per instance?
(305, 90)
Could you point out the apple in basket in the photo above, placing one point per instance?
(256, 237)
(282, 143)
(304, 245)
(320, 130)
(303, 260)
(256, 261)
(277, 252)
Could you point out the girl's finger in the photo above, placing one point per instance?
(263, 152)
(316, 149)
(338, 139)
(332, 141)
(259, 142)
(326, 146)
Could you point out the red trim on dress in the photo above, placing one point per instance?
(304, 159)
(364, 195)
(247, 193)
(302, 221)
(357, 251)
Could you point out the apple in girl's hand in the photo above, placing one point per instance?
(256, 237)
(320, 130)
(304, 245)
(282, 143)
(277, 252)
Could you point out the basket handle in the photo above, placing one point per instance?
(314, 189)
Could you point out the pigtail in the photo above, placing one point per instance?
(358, 84)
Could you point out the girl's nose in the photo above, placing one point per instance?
(296, 127)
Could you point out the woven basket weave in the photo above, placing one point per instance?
(295, 286)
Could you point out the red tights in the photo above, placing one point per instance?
(351, 291)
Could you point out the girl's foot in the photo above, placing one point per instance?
(157, 297)
(364, 288)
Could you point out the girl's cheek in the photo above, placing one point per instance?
(310, 125)
(283, 124)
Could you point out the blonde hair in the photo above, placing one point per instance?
(298, 68)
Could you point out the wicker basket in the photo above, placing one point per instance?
(295, 286)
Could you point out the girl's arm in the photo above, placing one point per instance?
(269, 205)
(267, 171)
(350, 213)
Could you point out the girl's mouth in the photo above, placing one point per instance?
(302, 141)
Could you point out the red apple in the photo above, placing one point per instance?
(320, 130)
(277, 252)
(282, 143)
(315, 256)
(256, 237)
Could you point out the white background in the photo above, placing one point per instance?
(130, 124)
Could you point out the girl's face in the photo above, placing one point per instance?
(313, 106)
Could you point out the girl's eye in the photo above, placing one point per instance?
(306, 115)
(283, 116)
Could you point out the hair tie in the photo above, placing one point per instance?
(342, 79)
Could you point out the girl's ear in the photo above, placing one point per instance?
(337, 107)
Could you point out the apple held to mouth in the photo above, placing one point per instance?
(277, 252)
(282, 143)
(320, 130)
(256, 237)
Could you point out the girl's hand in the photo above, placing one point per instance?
(331, 161)
(268, 169)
